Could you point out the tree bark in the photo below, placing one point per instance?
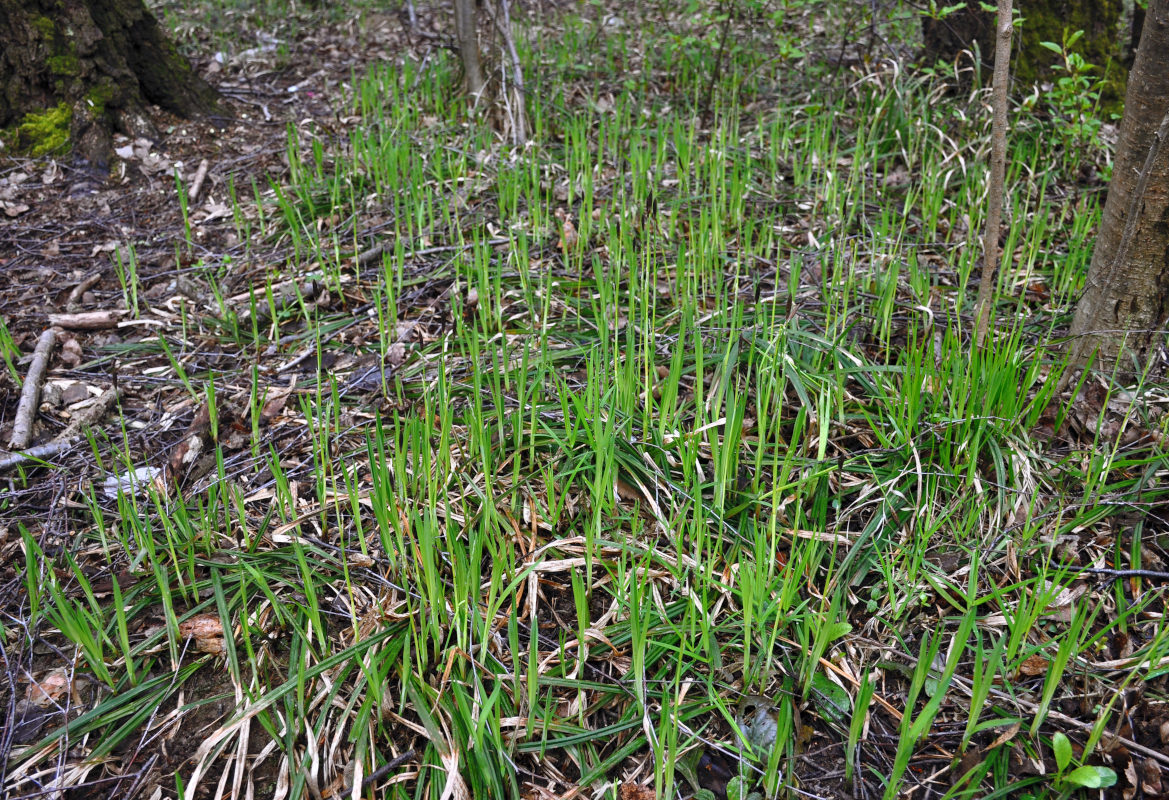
(101, 61)
(467, 33)
(1125, 305)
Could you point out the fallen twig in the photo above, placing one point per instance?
(380, 773)
(197, 183)
(38, 453)
(80, 289)
(30, 395)
(366, 256)
(84, 419)
(1114, 574)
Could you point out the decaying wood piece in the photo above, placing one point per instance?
(87, 320)
(30, 395)
(80, 289)
(86, 418)
(197, 184)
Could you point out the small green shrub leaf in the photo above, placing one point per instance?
(1091, 777)
(1063, 751)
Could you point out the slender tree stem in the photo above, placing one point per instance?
(998, 166)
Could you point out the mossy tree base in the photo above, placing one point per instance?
(104, 60)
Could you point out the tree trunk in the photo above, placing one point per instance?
(1125, 305)
(467, 33)
(93, 66)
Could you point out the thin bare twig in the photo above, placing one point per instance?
(30, 394)
(381, 772)
(1115, 574)
(365, 257)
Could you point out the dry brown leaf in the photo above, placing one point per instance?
(569, 238)
(1005, 736)
(1035, 665)
(206, 630)
(1130, 772)
(1151, 781)
(274, 407)
(49, 690)
(633, 791)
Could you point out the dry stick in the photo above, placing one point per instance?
(412, 17)
(30, 395)
(86, 320)
(380, 773)
(998, 166)
(285, 300)
(714, 73)
(84, 419)
(80, 289)
(365, 257)
(197, 184)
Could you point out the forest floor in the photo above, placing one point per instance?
(649, 458)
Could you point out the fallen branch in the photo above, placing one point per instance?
(85, 419)
(87, 320)
(30, 394)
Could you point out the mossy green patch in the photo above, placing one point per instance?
(100, 97)
(46, 133)
(63, 64)
(44, 26)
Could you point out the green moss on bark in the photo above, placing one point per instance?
(46, 133)
(100, 96)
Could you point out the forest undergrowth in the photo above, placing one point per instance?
(649, 459)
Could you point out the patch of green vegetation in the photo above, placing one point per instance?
(63, 63)
(705, 337)
(44, 26)
(1098, 45)
(46, 133)
(99, 97)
